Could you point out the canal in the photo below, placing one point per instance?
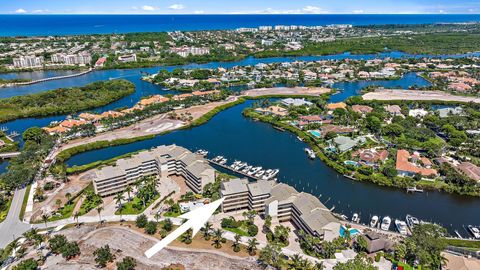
(235, 137)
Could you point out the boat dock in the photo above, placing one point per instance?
(228, 167)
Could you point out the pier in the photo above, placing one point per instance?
(227, 167)
(48, 79)
(9, 155)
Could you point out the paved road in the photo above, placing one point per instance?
(12, 227)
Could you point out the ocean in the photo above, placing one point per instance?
(40, 25)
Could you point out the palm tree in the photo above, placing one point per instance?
(206, 231)
(118, 200)
(129, 190)
(318, 266)
(295, 262)
(68, 196)
(99, 210)
(45, 218)
(252, 246)
(236, 244)
(217, 238)
(157, 216)
(75, 217)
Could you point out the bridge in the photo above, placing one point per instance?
(50, 79)
(9, 155)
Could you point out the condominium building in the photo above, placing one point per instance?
(186, 51)
(82, 58)
(239, 194)
(158, 162)
(282, 202)
(29, 61)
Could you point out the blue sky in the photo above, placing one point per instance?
(239, 7)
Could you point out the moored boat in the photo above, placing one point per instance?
(386, 221)
(401, 226)
(374, 221)
(412, 221)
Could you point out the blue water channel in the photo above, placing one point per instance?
(235, 137)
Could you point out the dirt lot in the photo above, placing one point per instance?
(397, 94)
(127, 242)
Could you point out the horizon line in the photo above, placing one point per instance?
(235, 14)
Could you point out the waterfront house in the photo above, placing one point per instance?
(153, 100)
(410, 165)
(370, 157)
(296, 102)
(336, 129)
(470, 170)
(90, 117)
(275, 110)
(344, 144)
(377, 242)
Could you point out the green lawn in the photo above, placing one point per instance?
(238, 231)
(4, 213)
(63, 213)
(172, 214)
(24, 202)
(471, 244)
(135, 206)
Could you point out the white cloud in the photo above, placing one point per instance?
(313, 9)
(40, 11)
(148, 8)
(177, 7)
(20, 11)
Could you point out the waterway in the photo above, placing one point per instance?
(232, 135)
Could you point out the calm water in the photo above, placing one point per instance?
(235, 137)
(232, 135)
(31, 25)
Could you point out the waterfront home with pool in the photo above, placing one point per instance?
(410, 165)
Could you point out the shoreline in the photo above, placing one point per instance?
(417, 95)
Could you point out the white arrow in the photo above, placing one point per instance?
(196, 220)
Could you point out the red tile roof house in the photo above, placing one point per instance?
(470, 170)
(362, 109)
(370, 157)
(408, 165)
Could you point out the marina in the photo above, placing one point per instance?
(243, 168)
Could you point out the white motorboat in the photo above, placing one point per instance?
(310, 153)
(386, 221)
(401, 226)
(260, 173)
(247, 168)
(254, 170)
(411, 221)
(355, 218)
(217, 158)
(223, 161)
(235, 164)
(474, 231)
(374, 222)
(202, 152)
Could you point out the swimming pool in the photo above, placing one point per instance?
(353, 231)
(350, 162)
(315, 133)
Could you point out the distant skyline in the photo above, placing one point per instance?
(240, 7)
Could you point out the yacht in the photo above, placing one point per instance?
(269, 175)
(247, 168)
(254, 170)
(355, 218)
(401, 226)
(217, 158)
(374, 221)
(202, 152)
(223, 161)
(412, 221)
(260, 173)
(474, 231)
(386, 221)
(240, 166)
(310, 153)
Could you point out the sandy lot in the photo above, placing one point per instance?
(311, 91)
(127, 242)
(397, 94)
